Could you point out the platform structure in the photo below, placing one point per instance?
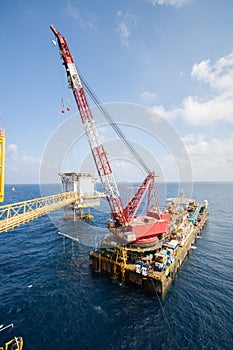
(83, 185)
(16, 214)
(78, 194)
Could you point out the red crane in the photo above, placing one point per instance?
(141, 229)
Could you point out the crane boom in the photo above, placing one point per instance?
(100, 157)
(141, 229)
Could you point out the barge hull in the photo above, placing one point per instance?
(155, 282)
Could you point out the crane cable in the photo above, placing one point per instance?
(114, 125)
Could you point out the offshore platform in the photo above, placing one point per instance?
(83, 184)
(78, 196)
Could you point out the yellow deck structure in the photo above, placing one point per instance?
(16, 214)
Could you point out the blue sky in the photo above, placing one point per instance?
(174, 57)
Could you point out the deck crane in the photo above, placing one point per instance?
(134, 229)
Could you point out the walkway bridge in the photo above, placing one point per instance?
(16, 214)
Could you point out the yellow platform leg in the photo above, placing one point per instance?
(2, 163)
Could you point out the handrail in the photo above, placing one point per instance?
(17, 208)
(15, 214)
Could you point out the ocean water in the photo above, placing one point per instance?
(55, 301)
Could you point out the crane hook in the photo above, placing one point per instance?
(62, 104)
(68, 104)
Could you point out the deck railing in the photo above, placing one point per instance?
(15, 214)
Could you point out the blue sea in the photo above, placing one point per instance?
(55, 301)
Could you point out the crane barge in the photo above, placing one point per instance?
(143, 249)
(140, 230)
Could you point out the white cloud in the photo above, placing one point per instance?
(124, 33)
(12, 153)
(13, 148)
(20, 167)
(29, 159)
(174, 3)
(211, 159)
(199, 145)
(199, 111)
(86, 19)
(218, 75)
(13, 156)
(196, 145)
(217, 109)
(148, 96)
(165, 113)
(125, 23)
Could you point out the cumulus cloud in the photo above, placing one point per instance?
(199, 145)
(125, 24)
(174, 3)
(165, 113)
(218, 75)
(211, 158)
(198, 111)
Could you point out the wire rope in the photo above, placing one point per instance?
(114, 125)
